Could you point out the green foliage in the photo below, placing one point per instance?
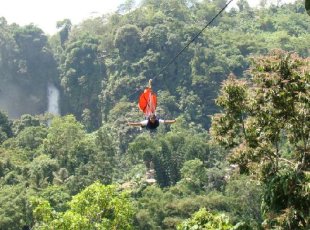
(15, 210)
(81, 74)
(244, 195)
(28, 66)
(133, 47)
(206, 220)
(5, 127)
(96, 207)
(307, 6)
(41, 171)
(287, 198)
(63, 135)
(228, 126)
(14, 158)
(102, 65)
(151, 212)
(57, 196)
(127, 41)
(65, 28)
(26, 120)
(90, 160)
(168, 152)
(276, 103)
(81, 158)
(166, 208)
(194, 173)
(31, 138)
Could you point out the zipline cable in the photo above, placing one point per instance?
(193, 39)
(190, 42)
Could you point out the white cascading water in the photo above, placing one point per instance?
(53, 99)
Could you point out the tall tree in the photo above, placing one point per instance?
(5, 127)
(127, 41)
(96, 207)
(204, 219)
(258, 118)
(65, 28)
(81, 76)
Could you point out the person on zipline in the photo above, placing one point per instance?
(147, 104)
(151, 123)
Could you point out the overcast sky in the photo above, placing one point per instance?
(45, 13)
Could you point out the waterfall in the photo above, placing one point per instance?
(53, 99)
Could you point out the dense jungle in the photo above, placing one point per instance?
(237, 156)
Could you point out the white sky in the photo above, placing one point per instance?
(46, 13)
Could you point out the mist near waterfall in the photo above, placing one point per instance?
(53, 99)
(16, 100)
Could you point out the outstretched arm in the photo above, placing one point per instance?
(135, 124)
(169, 121)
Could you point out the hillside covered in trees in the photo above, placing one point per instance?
(236, 158)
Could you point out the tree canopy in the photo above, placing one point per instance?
(237, 156)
